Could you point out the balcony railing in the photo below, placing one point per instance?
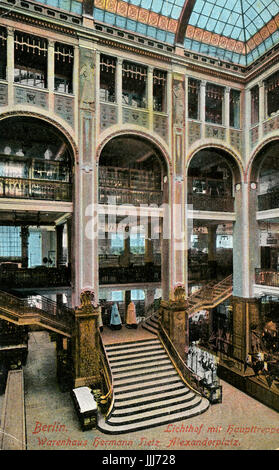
(123, 275)
(21, 188)
(268, 201)
(267, 277)
(202, 202)
(35, 277)
(128, 196)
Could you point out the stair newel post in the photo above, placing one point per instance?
(86, 344)
(175, 320)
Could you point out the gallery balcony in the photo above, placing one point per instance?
(204, 202)
(11, 276)
(129, 275)
(21, 188)
(267, 277)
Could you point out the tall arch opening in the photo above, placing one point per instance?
(133, 185)
(212, 176)
(36, 166)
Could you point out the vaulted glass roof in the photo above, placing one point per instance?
(238, 31)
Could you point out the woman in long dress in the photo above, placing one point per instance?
(131, 321)
(115, 319)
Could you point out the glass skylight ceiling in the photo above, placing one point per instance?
(248, 21)
(238, 31)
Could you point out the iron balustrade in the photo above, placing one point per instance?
(22, 188)
(129, 196)
(124, 275)
(35, 277)
(203, 202)
(267, 277)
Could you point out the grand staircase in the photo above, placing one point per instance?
(147, 389)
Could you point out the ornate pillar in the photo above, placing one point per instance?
(261, 108)
(24, 246)
(50, 73)
(86, 212)
(226, 119)
(245, 240)
(202, 106)
(119, 64)
(86, 346)
(150, 96)
(179, 196)
(10, 64)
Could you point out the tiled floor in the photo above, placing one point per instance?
(46, 405)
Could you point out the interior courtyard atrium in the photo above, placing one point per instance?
(139, 203)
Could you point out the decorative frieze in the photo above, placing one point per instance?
(64, 107)
(135, 116)
(236, 139)
(31, 97)
(194, 132)
(215, 132)
(160, 126)
(108, 116)
(3, 95)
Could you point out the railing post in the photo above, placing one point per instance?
(86, 344)
(174, 319)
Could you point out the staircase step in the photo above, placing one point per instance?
(134, 351)
(144, 386)
(163, 403)
(140, 366)
(153, 421)
(143, 372)
(142, 360)
(132, 357)
(152, 330)
(137, 417)
(168, 393)
(132, 395)
(134, 345)
(142, 379)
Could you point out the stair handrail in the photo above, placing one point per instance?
(108, 376)
(187, 371)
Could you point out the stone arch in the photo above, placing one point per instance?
(234, 161)
(132, 133)
(256, 160)
(56, 124)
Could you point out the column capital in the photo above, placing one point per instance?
(227, 89)
(51, 43)
(203, 83)
(10, 31)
